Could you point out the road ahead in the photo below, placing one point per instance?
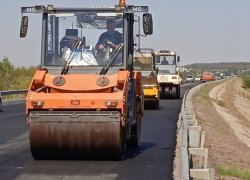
(153, 160)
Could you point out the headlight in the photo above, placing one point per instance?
(111, 103)
(172, 53)
(37, 103)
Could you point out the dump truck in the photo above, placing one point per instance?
(86, 101)
(207, 76)
(168, 76)
(144, 62)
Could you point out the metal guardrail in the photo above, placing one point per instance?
(5, 93)
(187, 117)
(12, 93)
(184, 148)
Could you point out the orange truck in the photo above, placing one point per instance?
(207, 76)
(86, 101)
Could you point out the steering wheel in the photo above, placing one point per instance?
(105, 43)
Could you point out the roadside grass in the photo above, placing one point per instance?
(245, 94)
(204, 92)
(234, 172)
(246, 82)
(246, 86)
(203, 96)
(221, 103)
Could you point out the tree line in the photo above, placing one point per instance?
(15, 78)
(222, 66)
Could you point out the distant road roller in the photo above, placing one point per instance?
(168, 76)
(144, 62)
(86, 101)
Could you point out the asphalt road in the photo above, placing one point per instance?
(153, 160)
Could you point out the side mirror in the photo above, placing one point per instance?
(178, 58)
(157, 70)
(24, 26)
(147, 21)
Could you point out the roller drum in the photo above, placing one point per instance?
(76, 135)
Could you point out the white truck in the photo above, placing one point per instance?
(168, 76)
(190, 78)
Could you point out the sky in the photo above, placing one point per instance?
(200, 31)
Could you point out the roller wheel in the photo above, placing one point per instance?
(162, 92)
(174, 93)
(179, 92)
(123, 145)
(135, 138)
(117, 155)
(157, 104)
(167, 93)
(59, 139)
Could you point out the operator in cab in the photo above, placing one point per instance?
(137, 62)
(110, 37)
(164, 61)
